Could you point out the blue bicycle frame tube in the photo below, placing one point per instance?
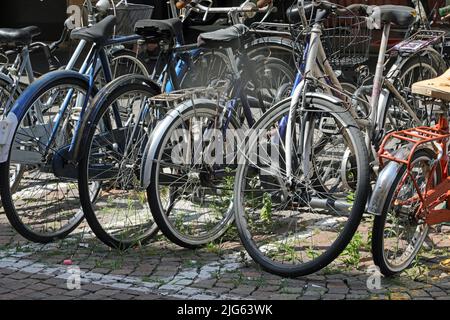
(181, 69)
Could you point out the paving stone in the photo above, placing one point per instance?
(284, 296)
(399, 296)
(205, 284)
(243, 290)
(418, 293)
(292, 290)
(333, 296)
(356, 296)
(165, 271)
(122, 296)
(19, 276)
(269, 288)
(203, 297)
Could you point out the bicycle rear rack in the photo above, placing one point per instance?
(174, 98)
(416, 137)
(419, 41)
(434, 195)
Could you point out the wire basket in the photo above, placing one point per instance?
(346, 40)
(127, 16)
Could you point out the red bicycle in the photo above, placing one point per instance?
(412, 192)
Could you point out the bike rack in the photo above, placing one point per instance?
(415, 136)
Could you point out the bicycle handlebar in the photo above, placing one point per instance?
(262, 6)
(332, 7)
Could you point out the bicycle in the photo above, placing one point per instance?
(39, 129)
(123, 226)
(11, 83)
(298, 219)
(272, 39)
(411, 194)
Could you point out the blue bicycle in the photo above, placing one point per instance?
(38, 133)
(120, 215)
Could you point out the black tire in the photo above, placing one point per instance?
(131, 55)
(102, 103)
(360, 198)
(15, 218)
(378, 230)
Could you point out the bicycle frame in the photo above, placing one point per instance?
(96, 59)
(316, 61)
(382, 89)
(21, 64)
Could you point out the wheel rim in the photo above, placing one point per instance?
(402, 234)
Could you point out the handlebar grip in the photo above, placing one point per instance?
(444, 11)
(182, 4)
(263, 3)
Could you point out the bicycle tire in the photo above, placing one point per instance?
(103, 100)
(378, 230)
(156, 149)
(22, 107)
(355, 215)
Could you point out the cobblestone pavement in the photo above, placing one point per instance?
(161, 270)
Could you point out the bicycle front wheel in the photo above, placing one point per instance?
(298, 225)
(43, 204)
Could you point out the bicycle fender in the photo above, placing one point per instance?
(264, 41)
(10, 123)
(158, 133)
(384, 182)
(7, 128)
(98, 102)
(321, 96)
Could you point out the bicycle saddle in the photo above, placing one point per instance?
(226, 38)
(401, 16)
(22, 36)
(98, 33)
(168, 29)
(437, 88)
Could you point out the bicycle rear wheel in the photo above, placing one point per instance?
(119, 216)
(294, 227)
(190, 193)
(397, 235)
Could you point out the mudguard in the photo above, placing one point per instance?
(384, 182)
(18, 110)
(97, 103)
(261, 43)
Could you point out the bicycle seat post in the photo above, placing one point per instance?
(233, 63)
(378, 80)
